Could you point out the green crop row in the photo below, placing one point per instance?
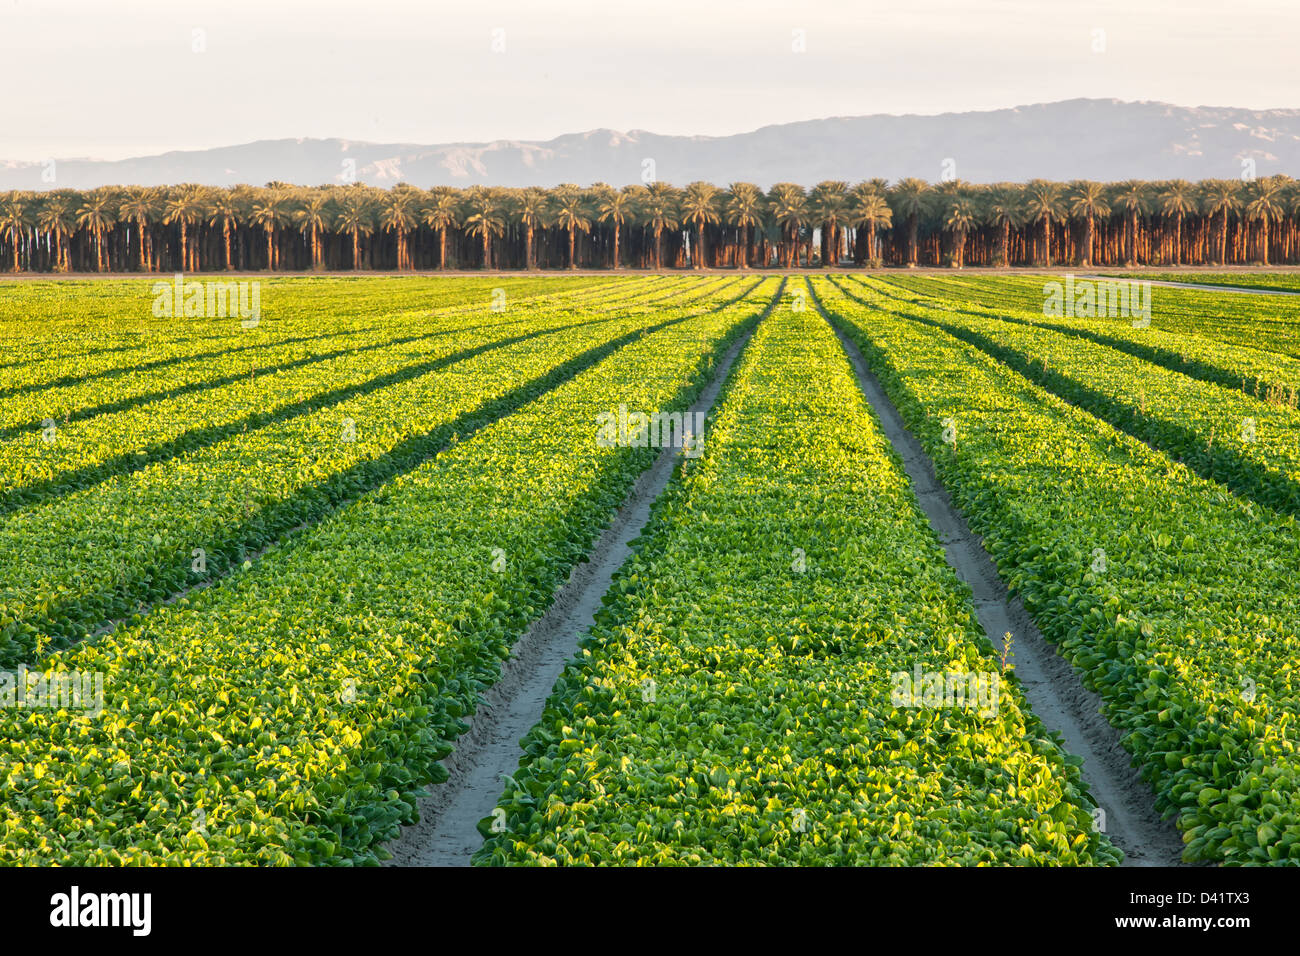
(290, 713)
(1269, 323)
(118, 363)
(201, 403)
(1174, 599)
(1271, 281)
(735, 702)
(1249, 445)
(137, 537)
(74, 311)
(1262, 374)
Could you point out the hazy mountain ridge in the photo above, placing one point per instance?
(1072, 139)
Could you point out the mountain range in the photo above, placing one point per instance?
(1098, 139)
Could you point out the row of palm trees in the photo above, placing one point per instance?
(280, 227)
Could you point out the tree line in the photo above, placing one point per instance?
(279, 227)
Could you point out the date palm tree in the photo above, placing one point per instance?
(1043, 204)
(1133, 199)
(869, 210)
(1219, 200)
(185, 207)
(1293, 213)
(1087, 200)
(398, 214)
(224, 211)
(660, 211)
(742, 209)
(532, 208)
(1265, 205)
(355, 217)
(56, 218)
(700, 208)
(960, 217)
(313, 216)
(909, 199)
(1005, 211)
(617, 208)
(483, 219)
(829, 204)
(789, 207)
(96, 217)
(570, 214)
(442, 212)
(140, 207)
(15, 221)
(271, 212)
(1177, 201)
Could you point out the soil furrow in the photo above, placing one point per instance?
(447, 832)
(1053, 689)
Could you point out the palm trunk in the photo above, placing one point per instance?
(616, 238)
(658, 248)
(487, 249)
(528, 248)
(572, 264)
(356, 250)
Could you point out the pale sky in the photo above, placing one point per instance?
(109, 79)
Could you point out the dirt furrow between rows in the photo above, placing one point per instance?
(447, 831)
(1050, 684)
